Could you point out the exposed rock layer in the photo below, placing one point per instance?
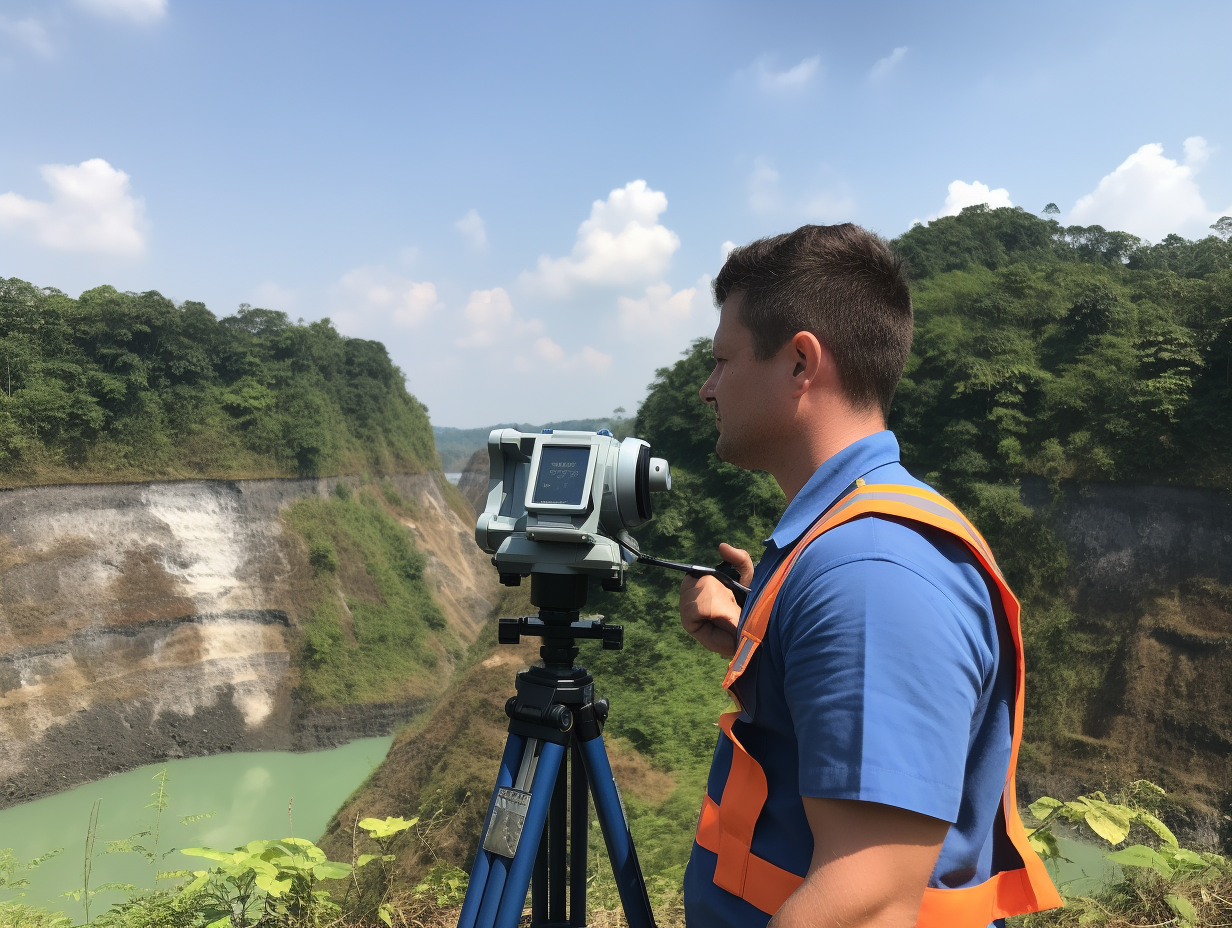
(1152, 569)
(145, 621)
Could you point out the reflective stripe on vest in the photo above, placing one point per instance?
(726, 828)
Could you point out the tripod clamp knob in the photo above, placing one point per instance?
(558, 717)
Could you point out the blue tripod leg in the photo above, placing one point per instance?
(514, 746)
(625, 867)
(513, 900)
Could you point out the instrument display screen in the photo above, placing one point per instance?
(561, 480)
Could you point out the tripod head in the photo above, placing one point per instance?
(560, 598)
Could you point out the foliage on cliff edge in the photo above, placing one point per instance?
(115, 386)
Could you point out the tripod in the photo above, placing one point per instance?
(537, 824)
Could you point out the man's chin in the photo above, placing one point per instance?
(729, 452)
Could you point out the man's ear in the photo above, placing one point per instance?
(812, 361)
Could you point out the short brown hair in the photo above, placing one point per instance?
(843, 284)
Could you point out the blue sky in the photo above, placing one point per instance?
(525, 201)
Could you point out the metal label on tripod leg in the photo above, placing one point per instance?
(508, 817)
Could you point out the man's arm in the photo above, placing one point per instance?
(871, 863)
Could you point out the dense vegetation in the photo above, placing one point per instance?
(1067, 353)
(372, 630)
(124, 385)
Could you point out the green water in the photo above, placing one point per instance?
(1087, 869)
(248, 793)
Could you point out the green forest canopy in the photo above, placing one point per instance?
(1066, 352)
(121, 385)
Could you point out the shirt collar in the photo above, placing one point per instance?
(829, 482)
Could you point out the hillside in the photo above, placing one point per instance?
(315, 588)
(1059, 377)
(130, 386)
(146, 621)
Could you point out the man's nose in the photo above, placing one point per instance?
(707, 391)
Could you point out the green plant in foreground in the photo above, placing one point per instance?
(19, 915)
(374, 879)
(444, 884)
(85, 894)
(1185, 878)
(385, 833)
(10, 867)
(273, 879)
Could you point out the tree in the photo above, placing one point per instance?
(1052, 210)
(1223, 227)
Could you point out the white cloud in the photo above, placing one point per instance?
(621, 243)
(961, 195)
(472, 226)
(1197, 151)
(1150, 195)
(726, 249)
(373, 295)
(763, 187)
(545, 353)
(137, 11)
(794, 78)
(91, 211)
(490, 316)
(658, 312)
(29, 32)
(886, 66)
(492, 322)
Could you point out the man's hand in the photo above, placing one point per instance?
(871, 863)
(708, 610)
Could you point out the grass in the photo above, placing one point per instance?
(373, 632)
(1141, 900)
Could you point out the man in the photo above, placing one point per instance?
(863, 781)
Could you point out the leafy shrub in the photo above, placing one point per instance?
(1162, 880)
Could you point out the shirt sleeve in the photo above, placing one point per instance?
(883, 674)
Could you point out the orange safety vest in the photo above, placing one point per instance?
(726, 829)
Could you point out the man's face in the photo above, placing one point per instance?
(743, 391)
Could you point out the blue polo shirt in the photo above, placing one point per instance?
(881, 678)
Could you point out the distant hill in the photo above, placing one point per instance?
(456, 446)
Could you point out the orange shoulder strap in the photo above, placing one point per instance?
(727, 828)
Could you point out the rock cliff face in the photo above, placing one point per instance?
(154, 620)
(1152, 571)
(1128, 543)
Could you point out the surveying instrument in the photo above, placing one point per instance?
(560, 504)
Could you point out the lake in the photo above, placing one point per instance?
(248, 794)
